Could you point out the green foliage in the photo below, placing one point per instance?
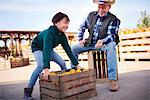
(144, 20)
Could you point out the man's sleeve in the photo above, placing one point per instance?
(82, 29)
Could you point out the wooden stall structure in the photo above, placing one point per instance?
(13, 48)
(78, 86)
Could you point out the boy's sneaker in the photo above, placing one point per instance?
(75, 68)
(67, 70)
(28, 93)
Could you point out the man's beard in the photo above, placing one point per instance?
(102, 13)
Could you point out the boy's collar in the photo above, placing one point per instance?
(55, 27)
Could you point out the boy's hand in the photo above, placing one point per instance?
(46, 73)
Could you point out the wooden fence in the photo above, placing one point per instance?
(134, 47)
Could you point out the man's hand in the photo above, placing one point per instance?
(46, 73)
(99, 44)
(82, 42)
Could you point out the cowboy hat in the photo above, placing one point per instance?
(104, 1)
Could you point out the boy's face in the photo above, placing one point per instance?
(62, 25)
(103, 9)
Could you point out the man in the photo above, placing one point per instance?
(103, 29)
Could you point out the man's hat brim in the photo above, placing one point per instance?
(102, 2)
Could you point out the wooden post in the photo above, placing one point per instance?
(90, 60)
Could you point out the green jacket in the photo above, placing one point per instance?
(49, 39)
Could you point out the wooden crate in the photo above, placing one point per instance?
(17, 62)
(97, 61)
(78, 86)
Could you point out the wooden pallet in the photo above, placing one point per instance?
(134, 47)
(78, 86)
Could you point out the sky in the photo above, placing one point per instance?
(37, 14)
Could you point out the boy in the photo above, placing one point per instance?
(42, 48)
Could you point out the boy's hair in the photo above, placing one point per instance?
(57, 17)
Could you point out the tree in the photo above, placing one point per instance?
(144, 20)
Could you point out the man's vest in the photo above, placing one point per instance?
(103, 30)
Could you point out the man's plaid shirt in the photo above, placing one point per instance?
(112, 30)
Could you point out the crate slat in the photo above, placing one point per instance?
(51, 93)
(134, 42)
(135, 35)
(135, 55)
(135, 48)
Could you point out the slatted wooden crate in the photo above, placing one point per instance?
(135, 47)
(97, 61)
(78, 86)
(17, 62)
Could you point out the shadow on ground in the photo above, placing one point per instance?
(133, 86)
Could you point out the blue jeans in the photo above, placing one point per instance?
(39, 59)
(110, 56)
